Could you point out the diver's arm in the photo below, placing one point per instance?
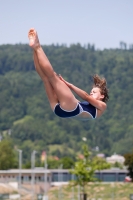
(85, 96)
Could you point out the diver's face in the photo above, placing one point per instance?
(96, 93)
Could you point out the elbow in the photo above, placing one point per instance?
(103, 107)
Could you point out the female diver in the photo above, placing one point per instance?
(61, 99)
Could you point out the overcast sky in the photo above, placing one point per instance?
(101, 22)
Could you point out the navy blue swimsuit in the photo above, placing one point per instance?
(81, 107)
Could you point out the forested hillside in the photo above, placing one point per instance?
(24, 108)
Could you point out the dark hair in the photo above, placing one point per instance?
(102, 84)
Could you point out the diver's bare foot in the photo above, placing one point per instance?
(33, 39)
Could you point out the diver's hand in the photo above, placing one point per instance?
(67, 83)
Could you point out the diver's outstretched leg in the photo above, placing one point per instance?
(53, 100)
(65, 96)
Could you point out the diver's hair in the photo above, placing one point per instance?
(102, 84)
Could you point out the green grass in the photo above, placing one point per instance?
(101, 191)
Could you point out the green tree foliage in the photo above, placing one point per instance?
(84, 169)
(101, 163)
(7, 155)
(117, 165)
(25, 110)
(66, 162)
(129, 164)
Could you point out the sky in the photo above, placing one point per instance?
(104, 23)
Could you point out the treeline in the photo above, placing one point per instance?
(25, 113)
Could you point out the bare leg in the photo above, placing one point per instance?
(48, 87)
(38, 68)
(64, 94)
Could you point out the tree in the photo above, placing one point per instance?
(84, 170)
(24, 107)
(101, 163)
(129, 163)
(53, 164)
(7, 155)
(117, 165)
(67, 162)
